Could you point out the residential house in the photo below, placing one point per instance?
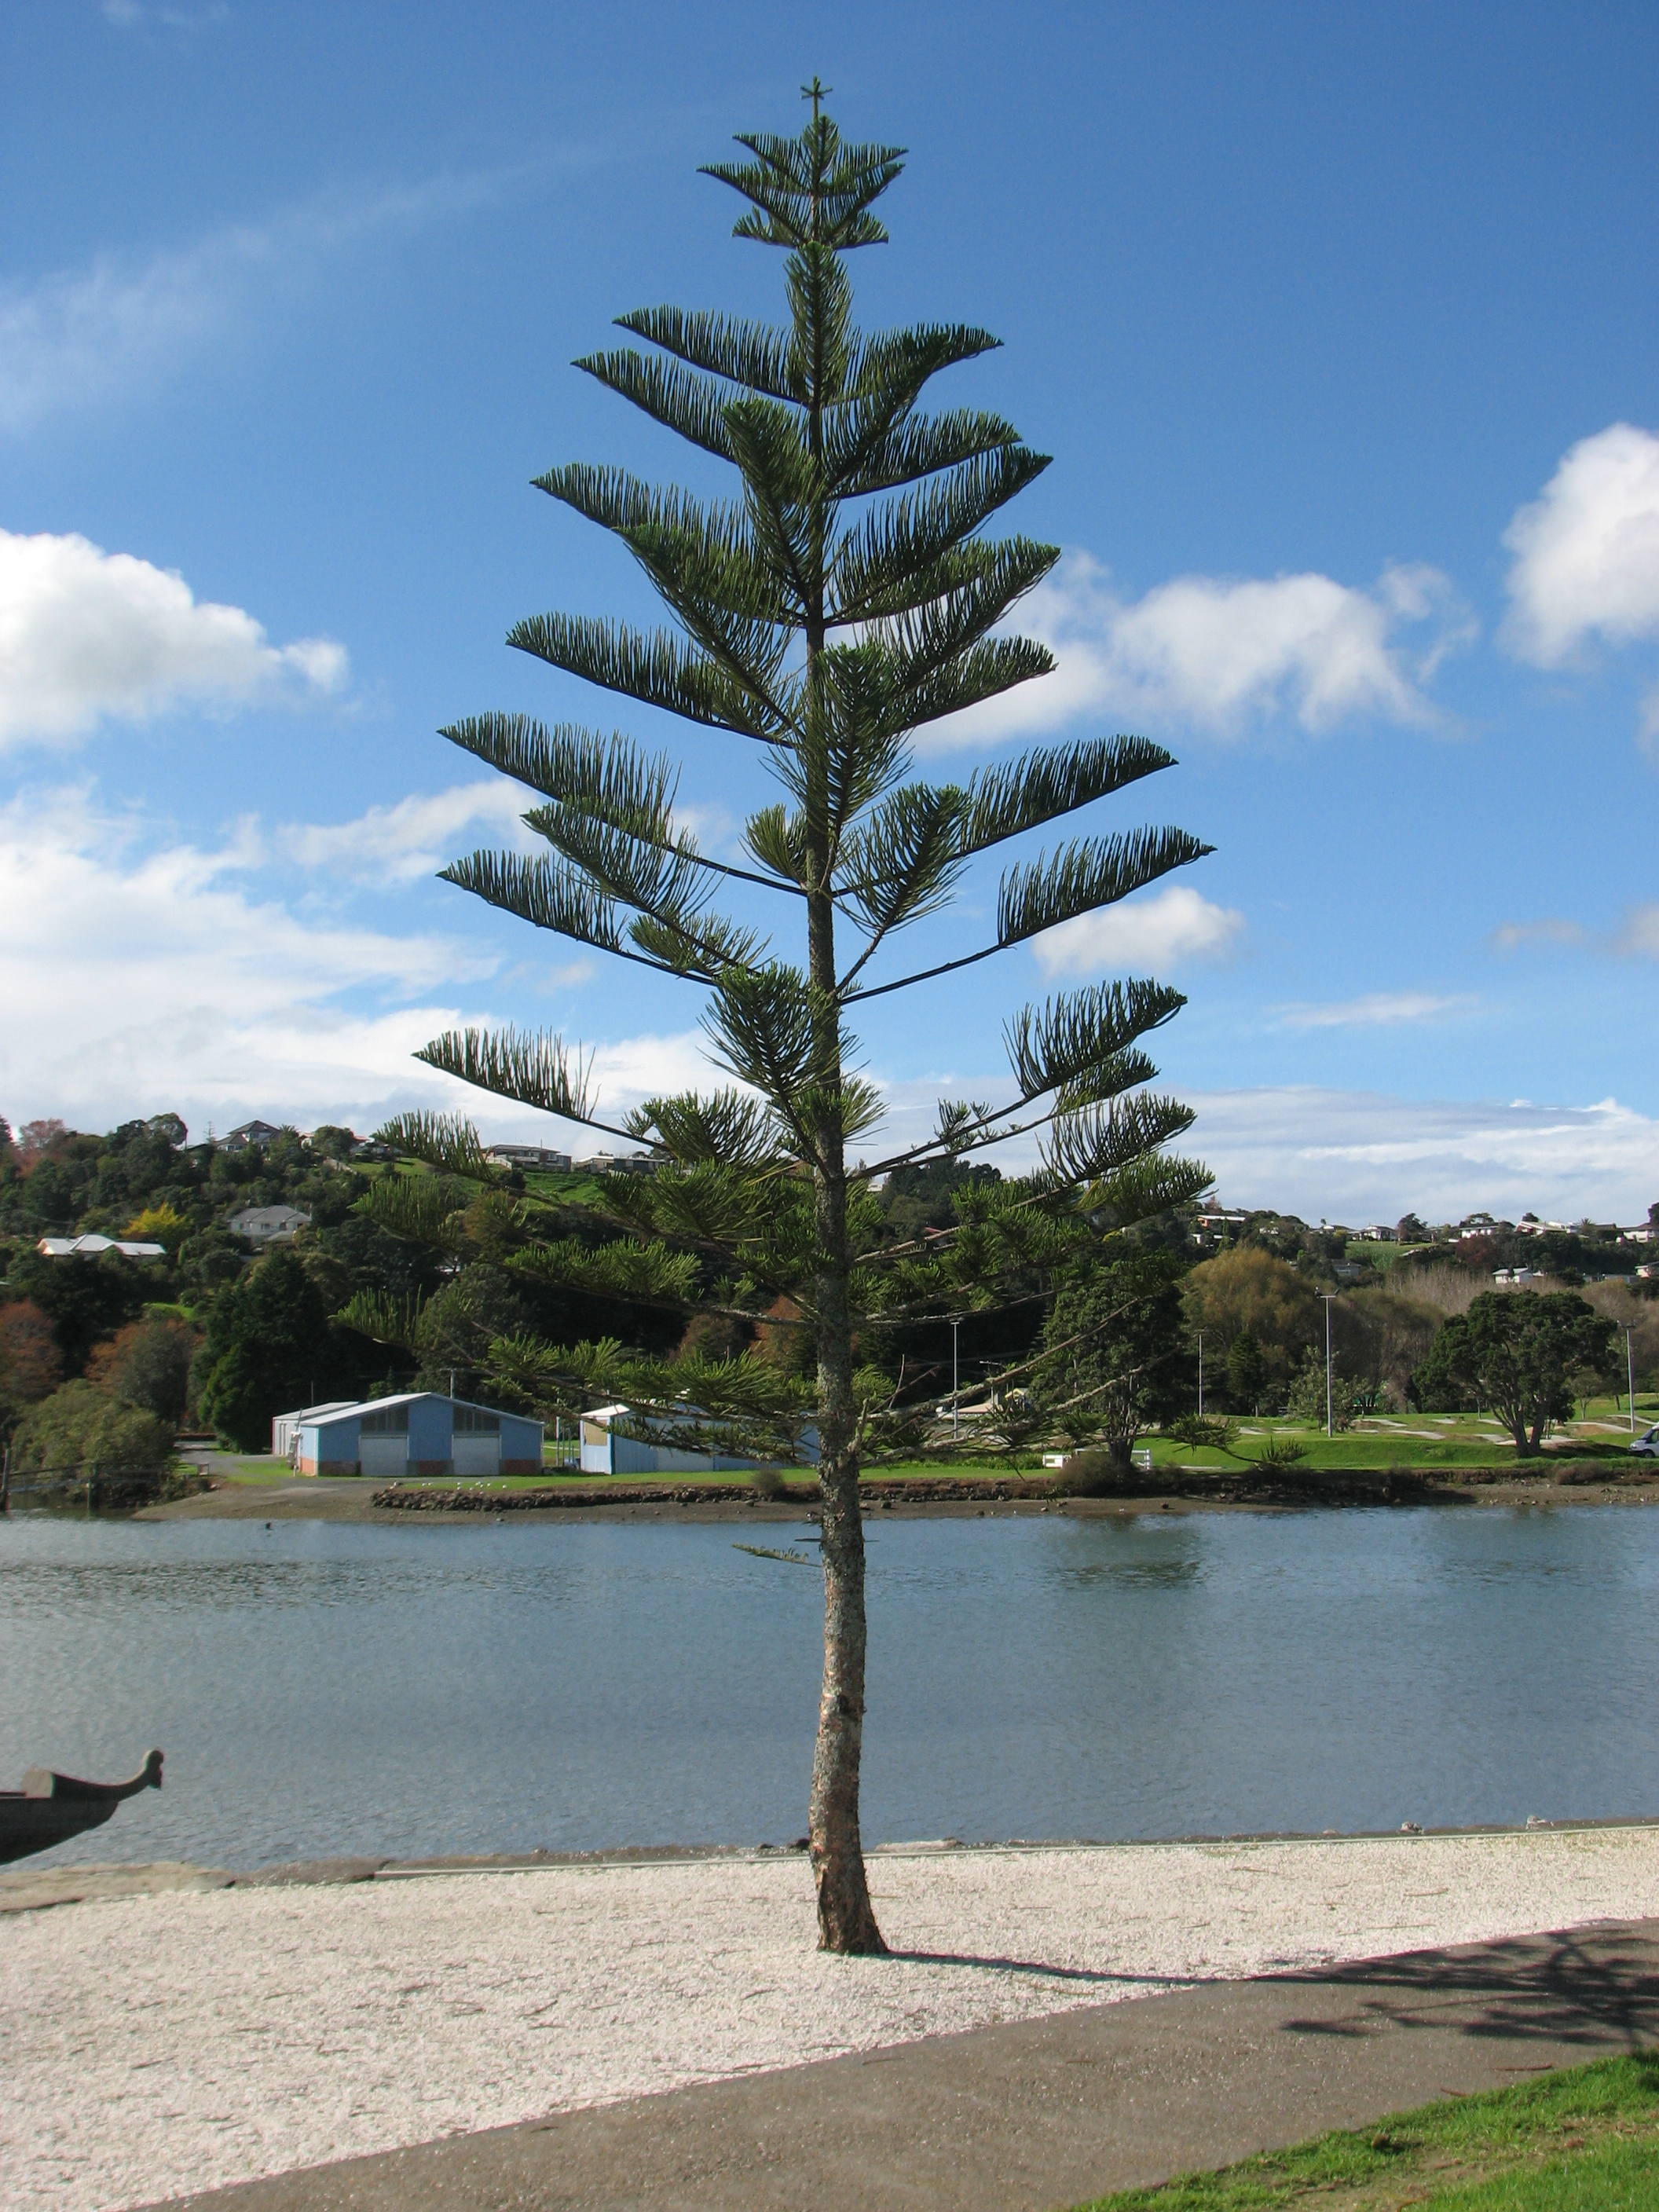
(249, 1133)
(268, 1224)
(89, 1246)
(529, 1155)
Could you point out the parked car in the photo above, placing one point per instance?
(1648, 1444)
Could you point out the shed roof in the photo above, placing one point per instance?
(344, 1411)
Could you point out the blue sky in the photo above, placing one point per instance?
(1340, 326)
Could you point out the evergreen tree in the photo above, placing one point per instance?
(1117, 1353)
(1247, 1373)
(848, 598)
(268, 1347)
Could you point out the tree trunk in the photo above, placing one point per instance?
(847, 1920)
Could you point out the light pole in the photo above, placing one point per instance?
(1200, 1374)
(1328, 1297)
(956, 1371)
(1630, 1377)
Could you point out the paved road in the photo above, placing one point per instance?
(1049, 2112)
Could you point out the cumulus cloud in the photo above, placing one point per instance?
(1355, 1156)
(1376, 1009)
(1141, 936)
(142, 974)
(1219, 654)
(86, 635)
(1587, 551)
(1362, 1156)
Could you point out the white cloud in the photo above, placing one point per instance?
(130, 15)
(1361, 1155)
(139, 977)
(1354, 1156)
(1587, 550)
(1639, 932)
(1552, 929)
(1140, 936)
(1218, 652)
(1636, 935)
(1376, 1009)
(116, 328)
(85, 635)
(416, 837)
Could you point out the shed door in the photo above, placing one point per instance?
(477, 1455)
(383, 1456)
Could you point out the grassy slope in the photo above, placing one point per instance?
(1572, 2142)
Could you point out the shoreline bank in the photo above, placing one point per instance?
(359, 1498)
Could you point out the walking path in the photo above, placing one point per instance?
(154, 2043)
(1051, 2111)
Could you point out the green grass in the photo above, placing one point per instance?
(1397, 1440)
(1579, 2141)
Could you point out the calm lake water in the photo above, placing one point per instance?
(321, 1688)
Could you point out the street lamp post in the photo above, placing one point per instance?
(1630, 1377)
(1328, 1296)
(955, 1388)
(1200, 1374)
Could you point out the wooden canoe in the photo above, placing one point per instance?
(51, 1807)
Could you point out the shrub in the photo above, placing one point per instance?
(79, 1428)
(1091, 1473)
(1281, 1451)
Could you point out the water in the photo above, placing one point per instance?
(322, 1688)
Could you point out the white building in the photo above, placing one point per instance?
(529, 1155)
(618, 1164)
(285, 1429)
(268, 1224)
(414, 1432)
(89, 1248)
(607, 1450)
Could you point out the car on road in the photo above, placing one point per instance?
(1648, 1444)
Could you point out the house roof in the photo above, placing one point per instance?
(349, 1407)
(64, 1248)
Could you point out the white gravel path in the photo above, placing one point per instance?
(154, 2045)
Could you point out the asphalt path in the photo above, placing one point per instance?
(1048, 2113)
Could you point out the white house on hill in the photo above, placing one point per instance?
(89, 1248)
(268, 1224)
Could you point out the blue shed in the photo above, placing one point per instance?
(417, 1433)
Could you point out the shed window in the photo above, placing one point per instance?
(393, 1422)
(474, 1420)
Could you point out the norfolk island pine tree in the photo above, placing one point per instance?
(846, 600)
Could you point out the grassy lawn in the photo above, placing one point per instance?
(1579, 2141)
(1428, 1441)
